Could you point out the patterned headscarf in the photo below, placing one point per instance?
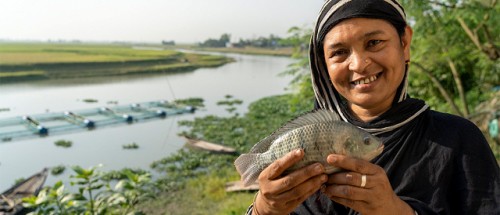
(332, 13)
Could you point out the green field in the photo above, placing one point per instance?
(28, 61)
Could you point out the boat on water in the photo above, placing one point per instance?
(207, 146)
(11, 199)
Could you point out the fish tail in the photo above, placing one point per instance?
(247, 166)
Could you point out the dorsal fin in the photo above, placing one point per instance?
(308, 118)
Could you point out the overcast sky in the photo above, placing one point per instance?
(152, 20)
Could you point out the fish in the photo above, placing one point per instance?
(318, 133)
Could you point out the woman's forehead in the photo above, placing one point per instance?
(358, 28)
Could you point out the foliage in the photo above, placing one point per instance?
(95, 195)
(299, 38)
(221, 42)
(195, 102)
(57, 170)
(204, 194)
(264, 42)
(90, 100)
(187, 168)
(131, 146)
(454, 46)
(63, 143)
(230, 103)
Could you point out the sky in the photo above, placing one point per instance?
(183, 21)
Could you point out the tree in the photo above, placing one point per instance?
(455, 48)
(221, 42)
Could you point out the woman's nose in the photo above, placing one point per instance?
(358, 62)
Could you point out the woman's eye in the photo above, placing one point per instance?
(373, 42)
(338, 53)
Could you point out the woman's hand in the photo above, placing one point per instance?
(281, 194)
(371, 195)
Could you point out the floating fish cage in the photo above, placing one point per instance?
(51, 123)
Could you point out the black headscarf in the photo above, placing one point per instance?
(327, 97)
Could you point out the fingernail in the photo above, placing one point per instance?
(318, 168)
(298, 151)
(332, 158)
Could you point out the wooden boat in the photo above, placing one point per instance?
(11, 199)
(236, 186)
(211, 147)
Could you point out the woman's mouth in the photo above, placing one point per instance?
(366, 80)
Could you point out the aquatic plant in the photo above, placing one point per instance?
(57, 170)
(90, 100)
(130, 146)
(63, 143)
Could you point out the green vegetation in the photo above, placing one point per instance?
(196, 176)
(453, 49)
(28, 61)
(271, 42)
(195, 102)
(63, 143)
(95, 194)
(90, 100)
(131, 146)
(284, 51)
(230, 103)
(57, 170)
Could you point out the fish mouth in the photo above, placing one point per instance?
(366, 80)
(374, 153)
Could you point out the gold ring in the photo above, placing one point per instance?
(363, 181)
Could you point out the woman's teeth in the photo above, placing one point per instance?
(366, 80)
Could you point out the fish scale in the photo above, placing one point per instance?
(318, 133)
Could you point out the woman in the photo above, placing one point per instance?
(433, 163)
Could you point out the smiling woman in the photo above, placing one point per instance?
(432, 163)
(366, 59)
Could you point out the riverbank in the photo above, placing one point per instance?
(286, 51)
(33, 61)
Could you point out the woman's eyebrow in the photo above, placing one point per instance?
(373, 33)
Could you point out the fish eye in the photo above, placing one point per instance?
(367, 141)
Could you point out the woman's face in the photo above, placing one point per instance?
(366, 62)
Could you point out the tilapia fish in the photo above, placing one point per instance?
(319, 133)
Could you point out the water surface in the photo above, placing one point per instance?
(249, 78)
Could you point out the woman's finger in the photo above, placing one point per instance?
(298, 177)
(352, 178)
(347, 192)
(303, 191)
(279, 166)
(353, 164)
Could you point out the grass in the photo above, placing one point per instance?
(36, 53)
(202, 195)
(27, 61)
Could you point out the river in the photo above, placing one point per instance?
(249, 78)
